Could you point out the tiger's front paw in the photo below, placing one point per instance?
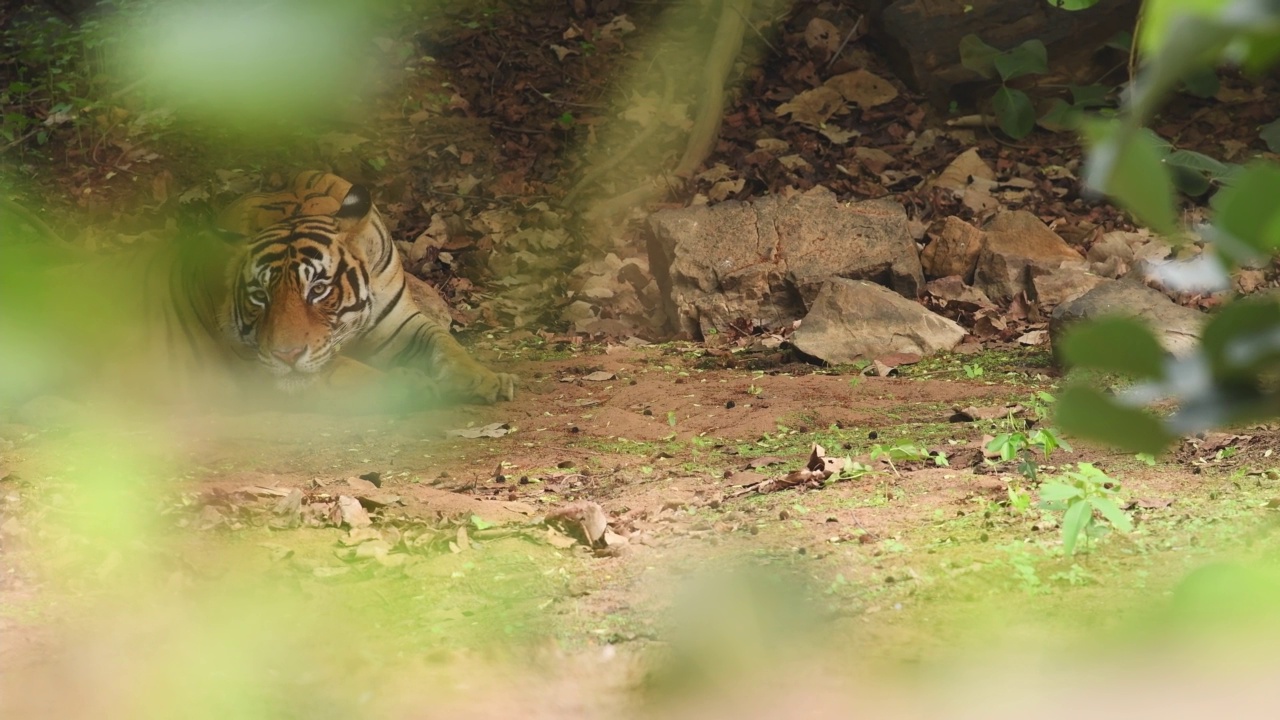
(473, 382)
(507, 386)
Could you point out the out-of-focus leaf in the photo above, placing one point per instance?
(1087, 413)
(977, 55)
(1122, 41)
(1053, 492)
(1112, 512)
(1191, 182)
(1247, 210)
(1128, 166)
(1029, 58)
(1202, 82)
(1015, 112)
(1244, 337)
(1073, 522)
(1072, 5)
(1061, 116)
(1197, 161)
(1089, 95)
(1158, 17)
(1270, 134)
(1118, 345)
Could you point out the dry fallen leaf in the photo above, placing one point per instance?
(584, 520)
(599, 376)
(864, 88)
(1035, 337)
(813, 107)
(559, 540)
(839, 136)
(764, 461)
(261, 491)
(822, 34)
(972, 413)
(960, 173)
(725, 188)
(492, 430)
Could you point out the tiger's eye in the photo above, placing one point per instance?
(318, 291)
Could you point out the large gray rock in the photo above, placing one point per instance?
(765, 261)
(1018, 245)
(854, 319)
(1177, 328)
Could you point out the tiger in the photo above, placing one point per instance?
(301, 291)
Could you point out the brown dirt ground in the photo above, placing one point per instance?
(905, 567)
(902, 573)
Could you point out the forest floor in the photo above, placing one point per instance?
(135, 552)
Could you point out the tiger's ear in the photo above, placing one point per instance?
(355, 206)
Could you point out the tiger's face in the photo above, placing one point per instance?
(301, 291)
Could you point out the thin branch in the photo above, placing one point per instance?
(856, 24)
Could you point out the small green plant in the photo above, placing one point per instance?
(1074, 576)
(1023, 564)
(1023, 446)
(852, 470)
(754, 389)
(1077, 495)
(1040, 404)
(973, 371)
(907, 452)
(1013, 108)
(1019, 498)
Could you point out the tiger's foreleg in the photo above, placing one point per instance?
(417, 345)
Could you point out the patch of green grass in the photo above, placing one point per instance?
(623, 446)
(539, 350)
(1005, 365)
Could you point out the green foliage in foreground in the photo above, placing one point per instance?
(1225, 380)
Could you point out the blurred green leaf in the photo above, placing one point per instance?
(1201, 82)
(1270, 134)
(1029, 58)
(1197, 161)
(977, 55)
(1122, 41)
(242, 62)
(1243, 338)
(1118, 345)
(1190, 182)
(1073, 522)
(1118, 518)
(1053, 492)
(1247, 210)
(1128, 166)
(1089, 95)
(1061, 116)
(1088, 413)
(1158, 17)
(1073, 5)
(1015, 112)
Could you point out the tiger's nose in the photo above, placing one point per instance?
(289, 355)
